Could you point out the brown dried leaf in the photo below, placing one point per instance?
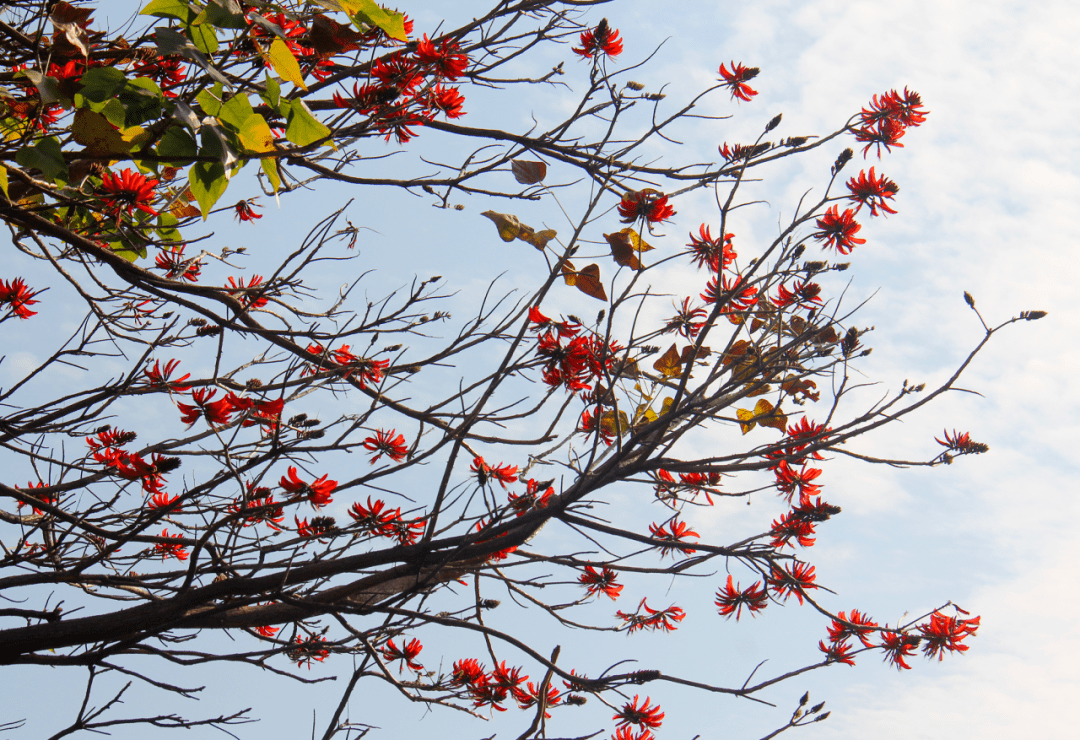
(328, 37)
(528, 173)
(669, 365)
(587, 280)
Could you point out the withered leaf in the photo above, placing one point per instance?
(528, 173)
(587, 280)
(669, 364)
(510, 229)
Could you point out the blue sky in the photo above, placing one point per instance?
(987, 205)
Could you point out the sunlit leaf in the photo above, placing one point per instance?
(285, 64)
(303, 129)
(392, 23)
(644, 415)
(208, 183)
(614, 425)
(761, 391)
(182, 207)
(528, 173)
(510, 228)
(4, 180)
(669, 364)
(178, 9)
(689, 354)
(622, 251)
(94, 132)
(764, 414)
(587, 280)
(256, 135)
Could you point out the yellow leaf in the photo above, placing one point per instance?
(764, 414)
(510, 229)
(665, 405)
(285, 64)
(3, 180)
(669, 365)
(367, 11)
(94, 131)
(746, 419)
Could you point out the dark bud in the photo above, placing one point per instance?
(823, 717)
(299, 418)
(774, 122)
(797, 140)
(489, 603)
(655, 96)
(102, 429)
(324, 524)
(392, 348)
(1032, 315)
(207, 331)
(254, 384)
(841, 266)
(816, 708)
(576, 700)
(635, 86)
(434, 278)
(645, 676)
(197, 322)
(844, 158)
(600, 316)
(969, 299)
(602, 29)
(167, 464)
(813, 267)
(312, 434)
(386, 95)
(798, 252)
(805, 699)
(574, 318)
(850, 342)
(310, 423)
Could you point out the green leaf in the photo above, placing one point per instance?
(285, 64)
(178, 145)
(48, 87)
(270, 167)
(303, 128)
(222, 14)
(235, 112)
(204, 37)
(142, 100)
(128, 249)
(210, 99)
(273, 93)
(371, 14)
(208, 183)
(169, 9)
(4, 181)
(46, 156)
(99, 85)
(167, 227)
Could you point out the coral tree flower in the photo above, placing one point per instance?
(19, 297)
(245, 210)
(642, 715)
(647, 204)
(385, 443)
(737, 78)
(837, 230)
(730, 599)
(600, 42)
(872, 191)
(946, 634)
(502, 473)
(600, 583)
(674, 531)
(318, 492)
(127, 191)
(406, 654)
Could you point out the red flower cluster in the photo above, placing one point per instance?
(492, 689)
(170, 549)
(45, 498)
(838, 230)
(800, 295)
(946, 634)
(600, 583)
(406, 90)
(793, 579)
(731, 599)
(502, 473)
(717, 253)
(642, 716)
(385, 443)
(600, 42)
(305, 650)
(245, 210)
(871, 190)
(539, 321)
(258, 505)
(674, 531)
(790, 481)
(19, 297)
(377, 518)
(127, 191)
(107, 449)
(692, 483)
(897, 647)
(731, 293)
(318, 491)
(215, 412)
(533, 498)
(737, 78)
(576, 364)
(652, 619)
(176, 267)
(648, 204)
(886, 119)
(961, 443)
(244, 294)
(367, 370)
(406, 654)
(688, 321)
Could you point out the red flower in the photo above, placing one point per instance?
(531, 499)
(259, 506)
(157, 377)
(372, 516)
(732, 293)
(600, 583)
(530, 697)
(447, 60)
(801, 295)
(717, 253)
(688, 321)
(398, 72)
(643, 716)
(730, 599)
(793, 579)
(215, 412)
(790, 481)
(859, 626)
(318, 491)
(447, 100)
(406, 654)
(600, 41)
(673, 531)
(319, 526)
(127, 191)
(962, 443)
(47, 499)
(564, 328)
(385, 443)
(162, 500)
(19, 296)
(502, 473)
(625, 733)
(245, 294)
(647, 204)
(467, 672)
(308, 649)
(837, 652)
(887, 134)
(790, 527)
(838, 230)
(245, 210)
(737, 78)
(871, 190)
(898, 646)
(172, 261)
(170, 549)
(946, 633)
(906, 109)
(652, 619)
